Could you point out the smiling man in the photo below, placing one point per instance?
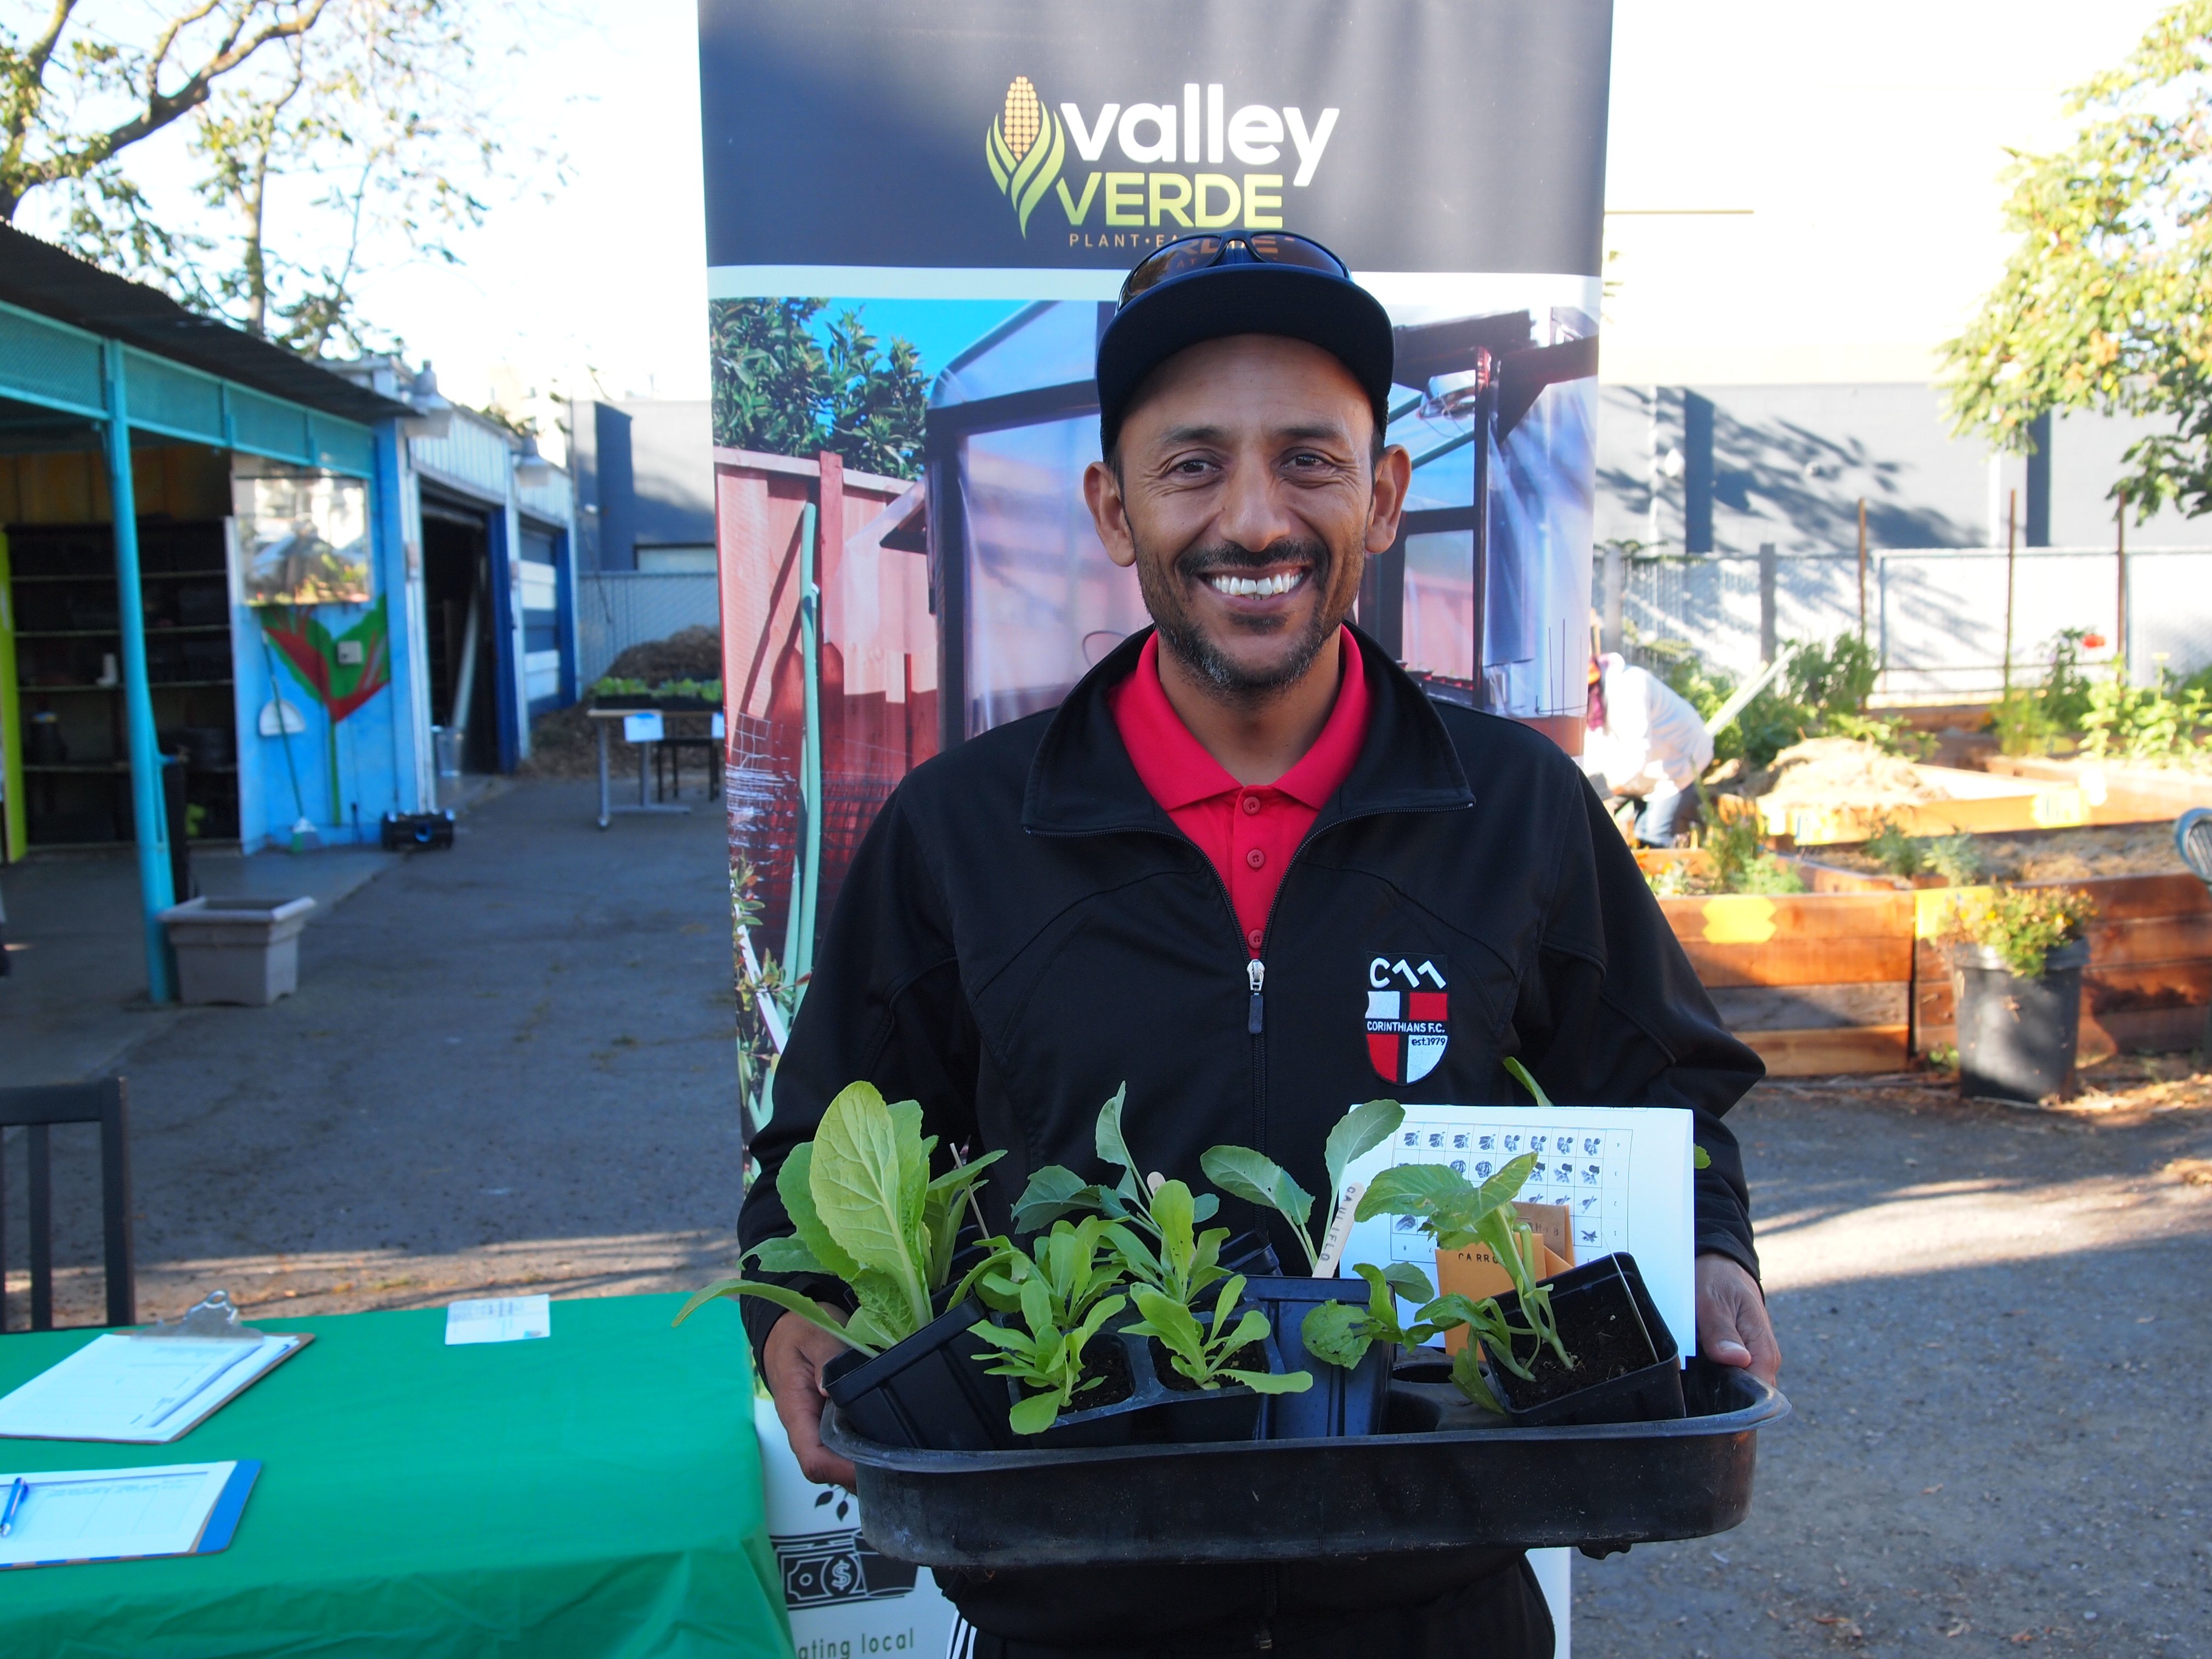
(1188, 877)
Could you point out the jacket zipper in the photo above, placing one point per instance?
(1255, 976)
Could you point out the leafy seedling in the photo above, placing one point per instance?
(1341, 1333)
(1203, 1352)
(1074, 1263)
(864, 1209)
(1152, 1225)
(1456, 1213)
(1045, 1356)
(1258, 1179)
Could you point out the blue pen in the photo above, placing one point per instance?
(16, 1494)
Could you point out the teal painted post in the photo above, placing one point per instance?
(147, 813)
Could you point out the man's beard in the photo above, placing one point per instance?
(1180, 632)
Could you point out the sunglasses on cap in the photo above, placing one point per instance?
(1189, 254)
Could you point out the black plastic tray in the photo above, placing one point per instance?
(1288, 1500)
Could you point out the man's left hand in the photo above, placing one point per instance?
(1732, 1323)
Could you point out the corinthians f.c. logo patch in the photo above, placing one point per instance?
(1408, 1015)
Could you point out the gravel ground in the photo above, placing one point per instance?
(1995, 1339)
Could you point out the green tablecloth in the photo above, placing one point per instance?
(595, 1492)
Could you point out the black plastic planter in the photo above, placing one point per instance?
(1627, 1368)
(1155, 1411)
(1340, 1401)
(1600, 1485)
(929, 1391)
(2018, 1037)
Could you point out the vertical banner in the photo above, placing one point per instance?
(917, 221)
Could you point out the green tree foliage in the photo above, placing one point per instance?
(777, 389)
(2105, 303)
(360, 130)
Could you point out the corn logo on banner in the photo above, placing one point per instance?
(918, 219)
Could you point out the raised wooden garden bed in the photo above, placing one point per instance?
(1849, 977)
(1815, 982)
(1980, 802)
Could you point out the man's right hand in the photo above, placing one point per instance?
(791, 1365)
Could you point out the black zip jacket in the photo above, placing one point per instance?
(1024, 929)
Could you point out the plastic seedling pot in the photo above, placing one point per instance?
(1627, 1369)
(1340, 1401)
(1159, 1406)
(1417, 1487)
(2018, 1037)
(929, 1391)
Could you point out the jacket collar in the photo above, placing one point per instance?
(1082, 782)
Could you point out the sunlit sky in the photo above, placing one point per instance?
(1866, 143)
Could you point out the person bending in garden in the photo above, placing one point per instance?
(1185, 878)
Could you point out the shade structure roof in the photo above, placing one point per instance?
(40, 277)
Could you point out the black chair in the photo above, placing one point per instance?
(35, 1111)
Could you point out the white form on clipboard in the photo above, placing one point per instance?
(1623, 1172)
(144, 1390)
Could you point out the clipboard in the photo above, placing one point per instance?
(150, 1386)
(216, 1526)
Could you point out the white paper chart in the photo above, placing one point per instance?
(1623, 1172)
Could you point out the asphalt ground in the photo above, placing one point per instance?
(1998, 1344)
(508, 1067)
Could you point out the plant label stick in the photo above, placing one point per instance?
(1339, 1230)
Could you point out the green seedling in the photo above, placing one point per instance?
(1456, 1213)
(1341, 1333)
(1258, 1179)
(864, 1208)
(1075, 1263)
(1045, 1356)
(1203, 1352)
(1152, 1225)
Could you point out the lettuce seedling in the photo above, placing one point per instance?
(1258, 1179)
(1178, 1261)
(1203, 1352)
(864, 1209)
(1046, 1357)
(1074, 1263)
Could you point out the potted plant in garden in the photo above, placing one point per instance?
(865, 1210)
(2016, 966)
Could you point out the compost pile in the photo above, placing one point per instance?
(561, 743)
(1843, 772)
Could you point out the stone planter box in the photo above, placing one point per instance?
(239, 949)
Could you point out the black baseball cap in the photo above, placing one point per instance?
(1208, 287)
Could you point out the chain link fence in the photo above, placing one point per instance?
(1935, 616)
(616, 609)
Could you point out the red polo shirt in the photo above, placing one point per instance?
(1249, 830)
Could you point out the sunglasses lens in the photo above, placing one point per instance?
(1197, 252)
(1281, 250)
(1190, 255)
